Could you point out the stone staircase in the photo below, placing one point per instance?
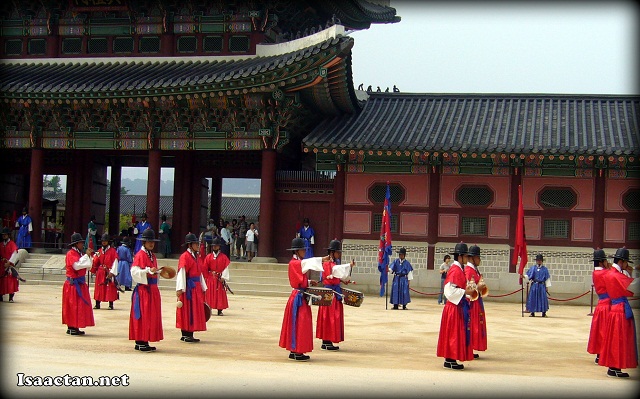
(42, 268)
(245, 278)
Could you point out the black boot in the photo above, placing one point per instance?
(111, 305)
(11, 297)
(395, 307)
(97, 305)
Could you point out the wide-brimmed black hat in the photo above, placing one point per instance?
(126, 241)
(148, 235)
(622, 253)
(305, 220)
(296, 244)
(216, 241)
(599, 255)
(6, 230)
(335, 245)
(402, 250)
(105, 237)
(76, 238)
(190, 238)
(460, 249)
(539, 257)
(474, 250)
(143, 216)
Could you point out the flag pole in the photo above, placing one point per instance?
(386, 295)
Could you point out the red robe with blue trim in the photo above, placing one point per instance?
(296, 334)
(600, 314)
(190, 317)
(330, 324)
(102, 263)
(476, 310)
(77, 311)
(452, 338)
(619, 349)
(212, 268)
(149, 326)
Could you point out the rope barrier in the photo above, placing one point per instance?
(424, 293)
(511, 293)
(568, 299)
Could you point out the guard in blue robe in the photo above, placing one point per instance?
(539, 277)
(124, 264)
(306, 232)
(141, 226)
(400, 287)
(23, 239)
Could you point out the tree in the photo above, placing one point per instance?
(123, 190)
(53, 182)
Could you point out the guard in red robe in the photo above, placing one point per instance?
(105, 267)
(190, 288)
(8, 259)
(296, 334)
(478, 320)
(76, 300)
(215, 270)
(601, 312)
(619, 350)
(330, 323)
(145, 319)
(454, 340)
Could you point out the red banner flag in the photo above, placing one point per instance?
(520, 248)
(385, 247)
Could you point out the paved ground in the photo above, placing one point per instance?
(388, 353)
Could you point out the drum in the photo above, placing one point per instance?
(352, 297)
(325, 294)
(207, 312)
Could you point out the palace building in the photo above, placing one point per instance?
(238, 89)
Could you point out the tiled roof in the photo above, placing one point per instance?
(117, 78)
(511, 123)
(232, 206)
(360, 13)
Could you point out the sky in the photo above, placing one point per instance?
(560, 47)
(553, 47)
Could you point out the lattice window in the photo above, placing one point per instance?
(212, 44)
(239, 44)
(37, 47)
(634, 231)
(97, 45)
(557, 198)
(13, 47)
(187, 44)
(149, 44)
(378, 192)
(474, 226)
(71, 45)
(377, 223)
(632, 200)
(123, 45)
(475, 196)
(556, 228)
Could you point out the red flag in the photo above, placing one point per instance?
(520, 248)
(385, 247)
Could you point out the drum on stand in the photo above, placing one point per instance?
(321, 296)
(352, 297)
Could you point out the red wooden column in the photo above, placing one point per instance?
(176, 217)
(338, 198)
(35, 195)
(434, 211)
(267, 203)
(516, 180)
(216, 198)
(114, 199)
(598, 207)
(153, 189)
(187, 199)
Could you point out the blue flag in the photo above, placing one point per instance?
(385, 250)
